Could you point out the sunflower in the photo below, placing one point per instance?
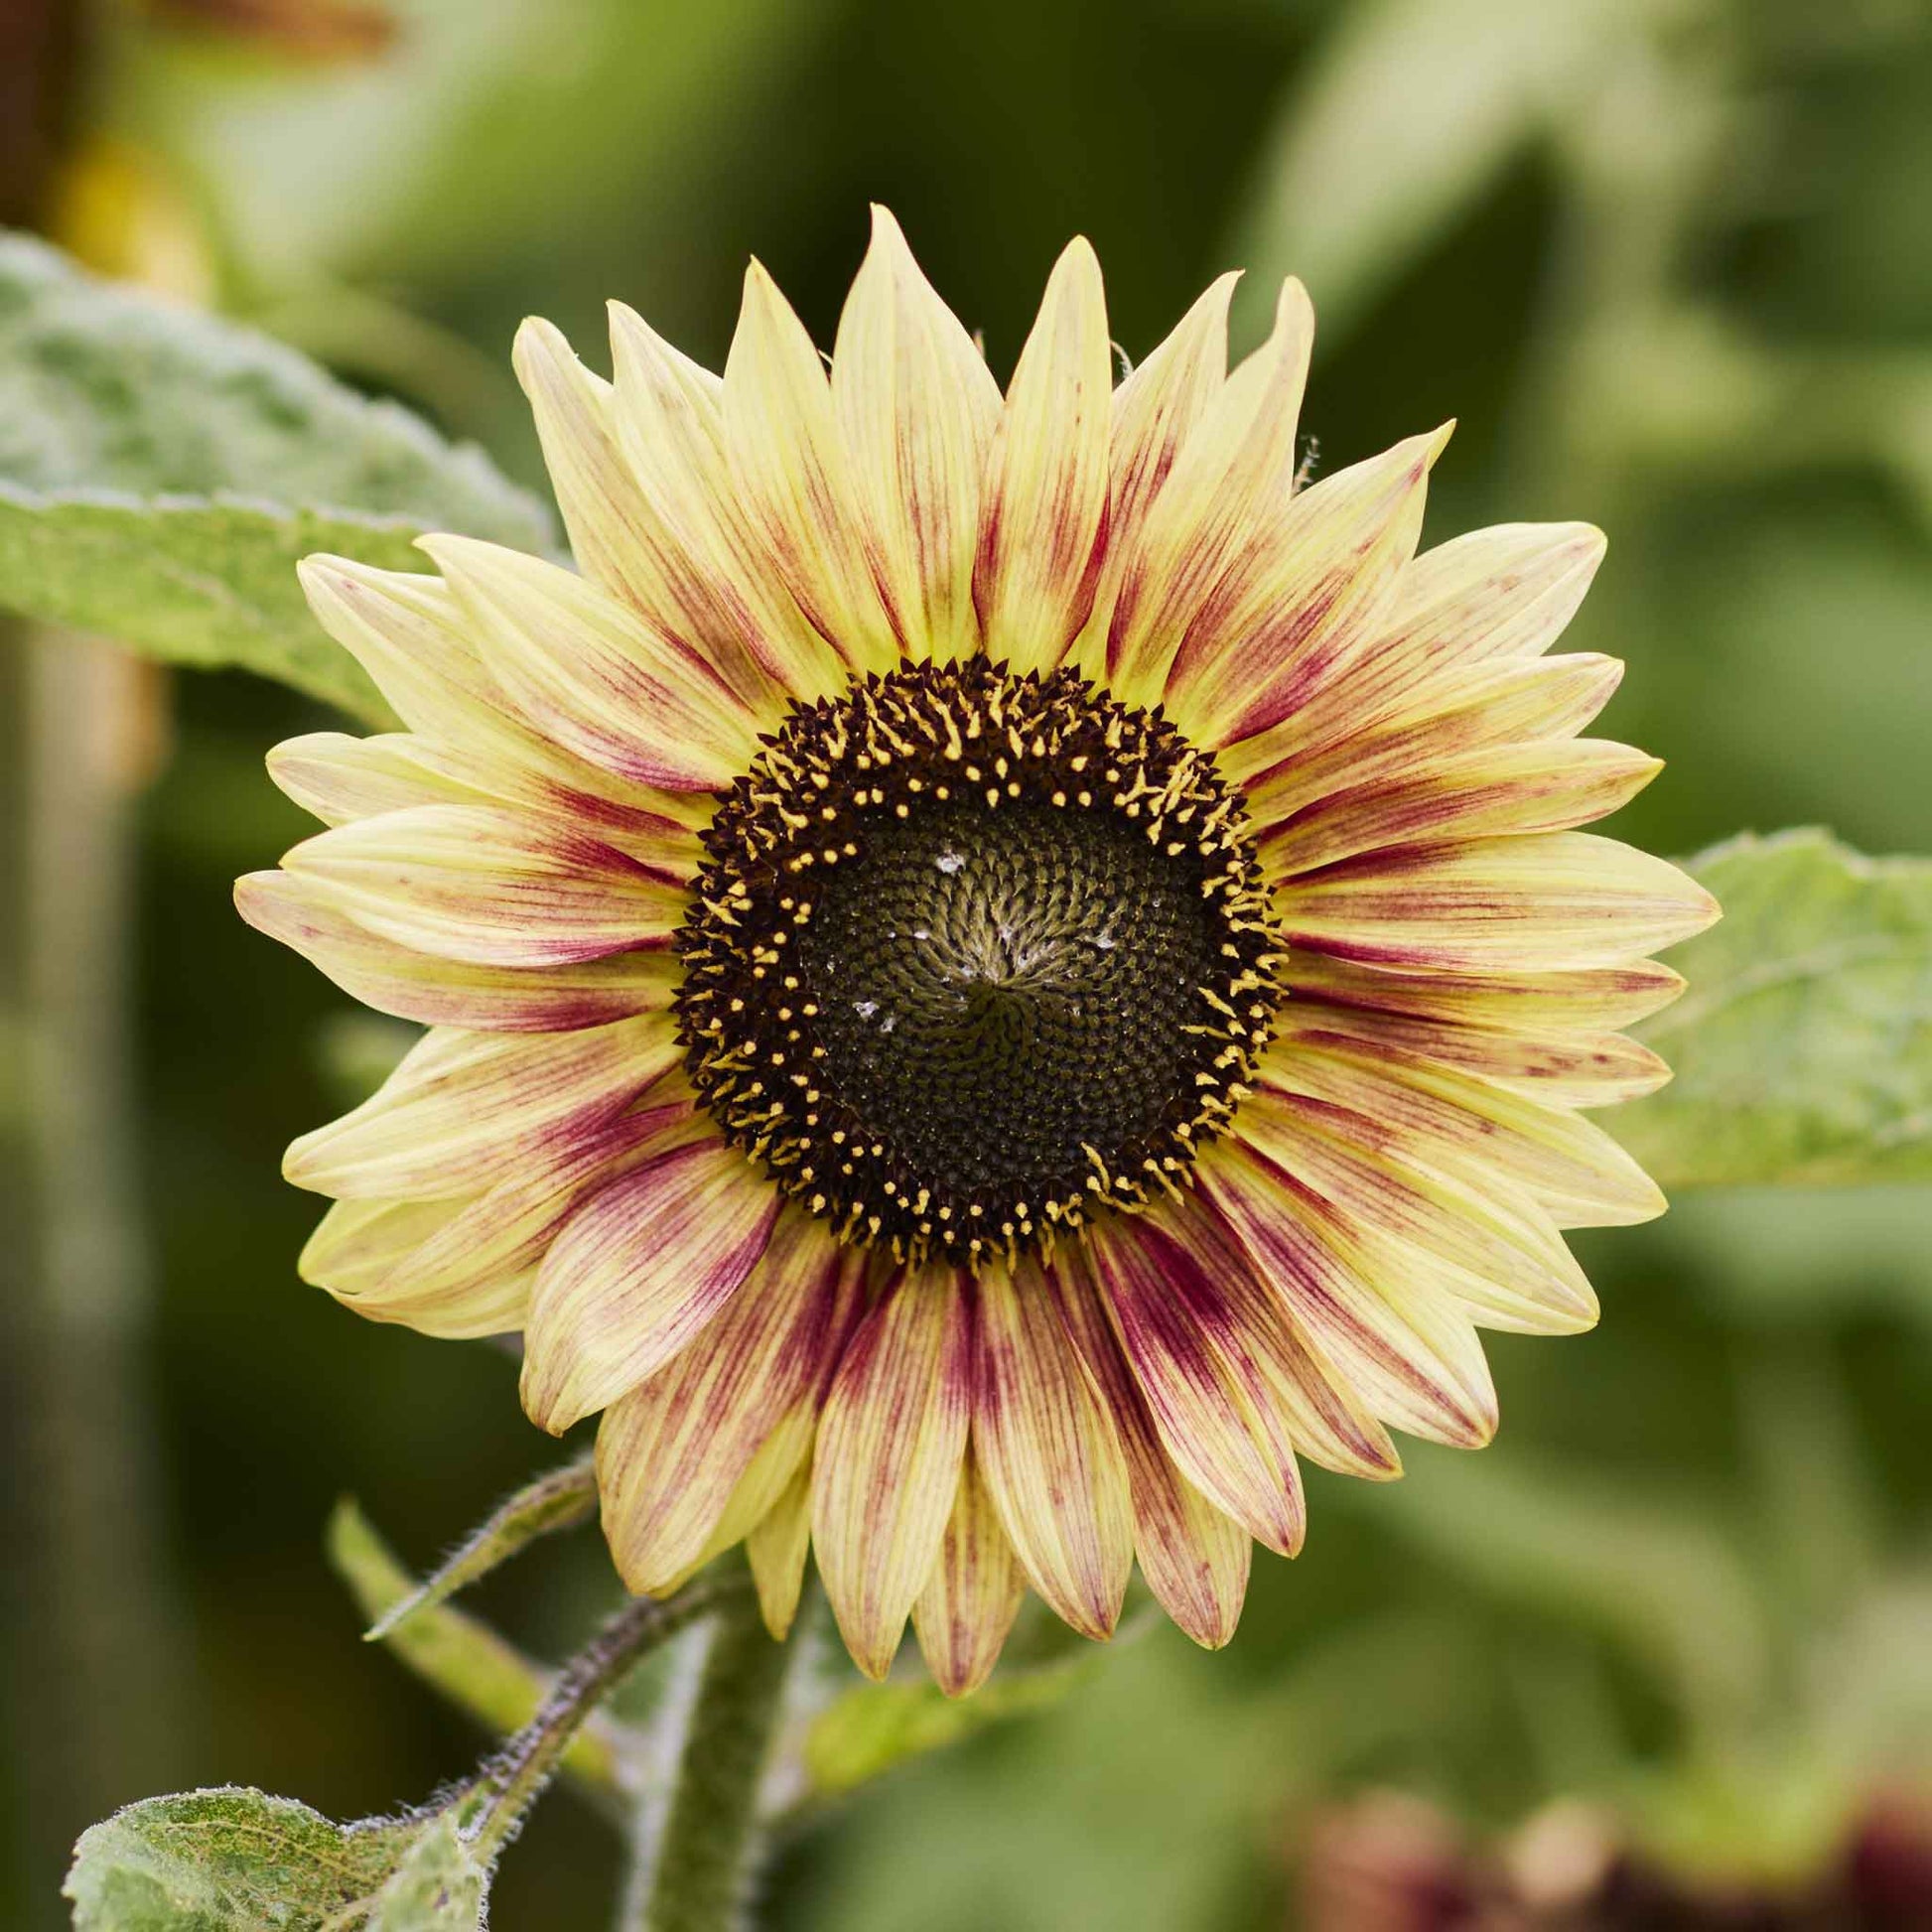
(999, 971)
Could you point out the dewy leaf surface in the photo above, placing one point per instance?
(238, 1860)
(1803, 1049)
(160, 472)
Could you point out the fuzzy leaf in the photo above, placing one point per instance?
(160, 472)
(237, 1860)
(559, 1501)
(1803, 1048)
(461, 1656)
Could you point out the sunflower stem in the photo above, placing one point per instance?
(697, 1869)
(516, 1776)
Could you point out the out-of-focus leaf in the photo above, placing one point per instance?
(1410, 110)
(206, 585)
(874, 1727)
(1665, 1582)
(160, 472)
(237, 1860)
(555, 1501)
(461, 1656)
(1803, 1049)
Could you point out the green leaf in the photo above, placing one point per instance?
(461, 1656)
(556, 1501)
(238, 1860)
(869, 1727)
(160, 472)
(1803, 1049)
(1411, 111)
(438, 1887)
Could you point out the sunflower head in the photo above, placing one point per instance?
(997, 970)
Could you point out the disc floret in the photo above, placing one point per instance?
(975, 955)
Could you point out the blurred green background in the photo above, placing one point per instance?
(1669, 263)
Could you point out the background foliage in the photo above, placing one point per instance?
(1666, 261)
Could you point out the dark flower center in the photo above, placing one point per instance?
(974, 955)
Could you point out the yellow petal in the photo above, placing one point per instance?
(1047, 490)
(776, 1547)
(1545, 903)
(1208, 1402)
(582, 669)
(1229, 489)
(672, 1453)
(441, 992)
(1303, 598)
(464, 1109)
(789, 461)
(886, 1463)
(918, 407)
(1051, 1460)
(489, 887)
(616, 533)
(1154, 411)
(1412, 1354)
(1194, 1557)
(969, 1601)
(668, 415)
(1550, 786)
(638, 1273)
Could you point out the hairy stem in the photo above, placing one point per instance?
(528, 1761)
(705, 1854)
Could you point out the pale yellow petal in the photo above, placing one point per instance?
(1045, 501)
(465, 1109)
(776, 1545)
(1048, 1451)
(886, 1463)
(638, 1273)
(918, 408)
(1228, 490)
(788, 458)
(970, 1599)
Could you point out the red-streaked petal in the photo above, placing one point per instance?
(439, 991)
(776, 1545)
(1550, 786)
(1154, 411)
(463, 1109)
(1410, 1353)
(1545, 903)
(1230, 481)
(466, 1267)
(616, 532)
(970, 1599)
(1209, 1401)
(1045, 501)
(918, 407)
(1051, 1460)
(1466, 1127)
(1302, 599)
(1575, 1070)
(671, 1452)
(1194, 1557)
(886, 1462)
(1493, 594)
(1502, 1248)
(1601, 999)
(669, 420)
(789, 462)
(489, 887)
(638, 1273)
(1514, 701)
(589, 673)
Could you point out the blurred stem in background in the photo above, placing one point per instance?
(99, 1685)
